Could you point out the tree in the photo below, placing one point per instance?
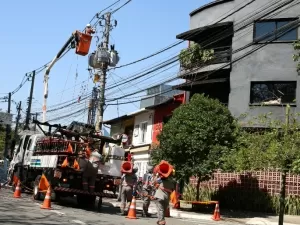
(2, 141)
(277, 147)
(197, 137)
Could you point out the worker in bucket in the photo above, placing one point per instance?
(128, 182)
(89, 30)
(165, 186)
(148, 190)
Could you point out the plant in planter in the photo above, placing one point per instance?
(296, 56)
(195, 55)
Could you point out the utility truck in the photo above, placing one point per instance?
(59, 155)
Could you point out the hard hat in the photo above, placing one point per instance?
(96, 154)
(88, 25)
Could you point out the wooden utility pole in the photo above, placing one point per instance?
(18, 119)
(101, 98)
(32, 76)
(8, 128)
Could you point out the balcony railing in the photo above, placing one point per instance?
(221, 55)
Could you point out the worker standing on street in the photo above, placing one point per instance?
(165, 187)
(128, 182)
(147, 190)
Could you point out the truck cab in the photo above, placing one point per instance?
(22, 156)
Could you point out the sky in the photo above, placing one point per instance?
(34, 31)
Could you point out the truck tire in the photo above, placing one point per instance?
(36, 191)
(91, 200)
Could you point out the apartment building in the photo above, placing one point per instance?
(252, 70)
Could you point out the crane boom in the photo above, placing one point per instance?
(47, 72)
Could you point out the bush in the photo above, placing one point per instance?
(242, 199)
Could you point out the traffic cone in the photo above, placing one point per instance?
(17, 193)
(69, 148)
(47, 200)
(167, 213)
(217, 216)
(132, 209)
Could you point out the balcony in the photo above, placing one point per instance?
(221, 59)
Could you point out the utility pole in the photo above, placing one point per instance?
(18, 119)
(36, 117)
(26, 127)
(93, 107)
(101, 98)
(8, 128)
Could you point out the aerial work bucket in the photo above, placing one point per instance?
(126, 167)
(165, 169)
(84, 43)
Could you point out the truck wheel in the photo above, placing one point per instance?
(81, 201)
(91, 201)
(57, 196)
(99, 206)
(36, 190)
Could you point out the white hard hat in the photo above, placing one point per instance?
(88, 25)
(96, 154)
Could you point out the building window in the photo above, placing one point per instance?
(143, 133)
(273, 92)
(269, 30)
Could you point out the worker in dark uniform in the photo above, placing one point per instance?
(165, 187)
(147, 190)
(93, 166)
(128, 182)
(89, 172)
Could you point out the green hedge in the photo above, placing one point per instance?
(244, 199)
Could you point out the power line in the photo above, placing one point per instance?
(147, 73)
(41, 68)
(115, 98)
(174, 59)
(207, 75)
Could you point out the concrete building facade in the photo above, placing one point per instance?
(253, 47)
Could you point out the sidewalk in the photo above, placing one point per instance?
(234, 217)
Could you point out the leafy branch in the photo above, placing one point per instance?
(195, 55)
(296, 57)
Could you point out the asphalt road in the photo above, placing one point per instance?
(26, 211)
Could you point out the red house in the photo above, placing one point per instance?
(163, 112)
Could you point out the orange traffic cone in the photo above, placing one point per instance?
(167, 213)
(69, 149)
(217, 216)
(47, 200)
(17, 193)
(132, 209)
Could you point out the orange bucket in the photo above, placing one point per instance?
(84, 43)
(126, 167)
(165, 169)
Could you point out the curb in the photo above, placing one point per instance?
(262, 221)
(173, 213)
(183, 215)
